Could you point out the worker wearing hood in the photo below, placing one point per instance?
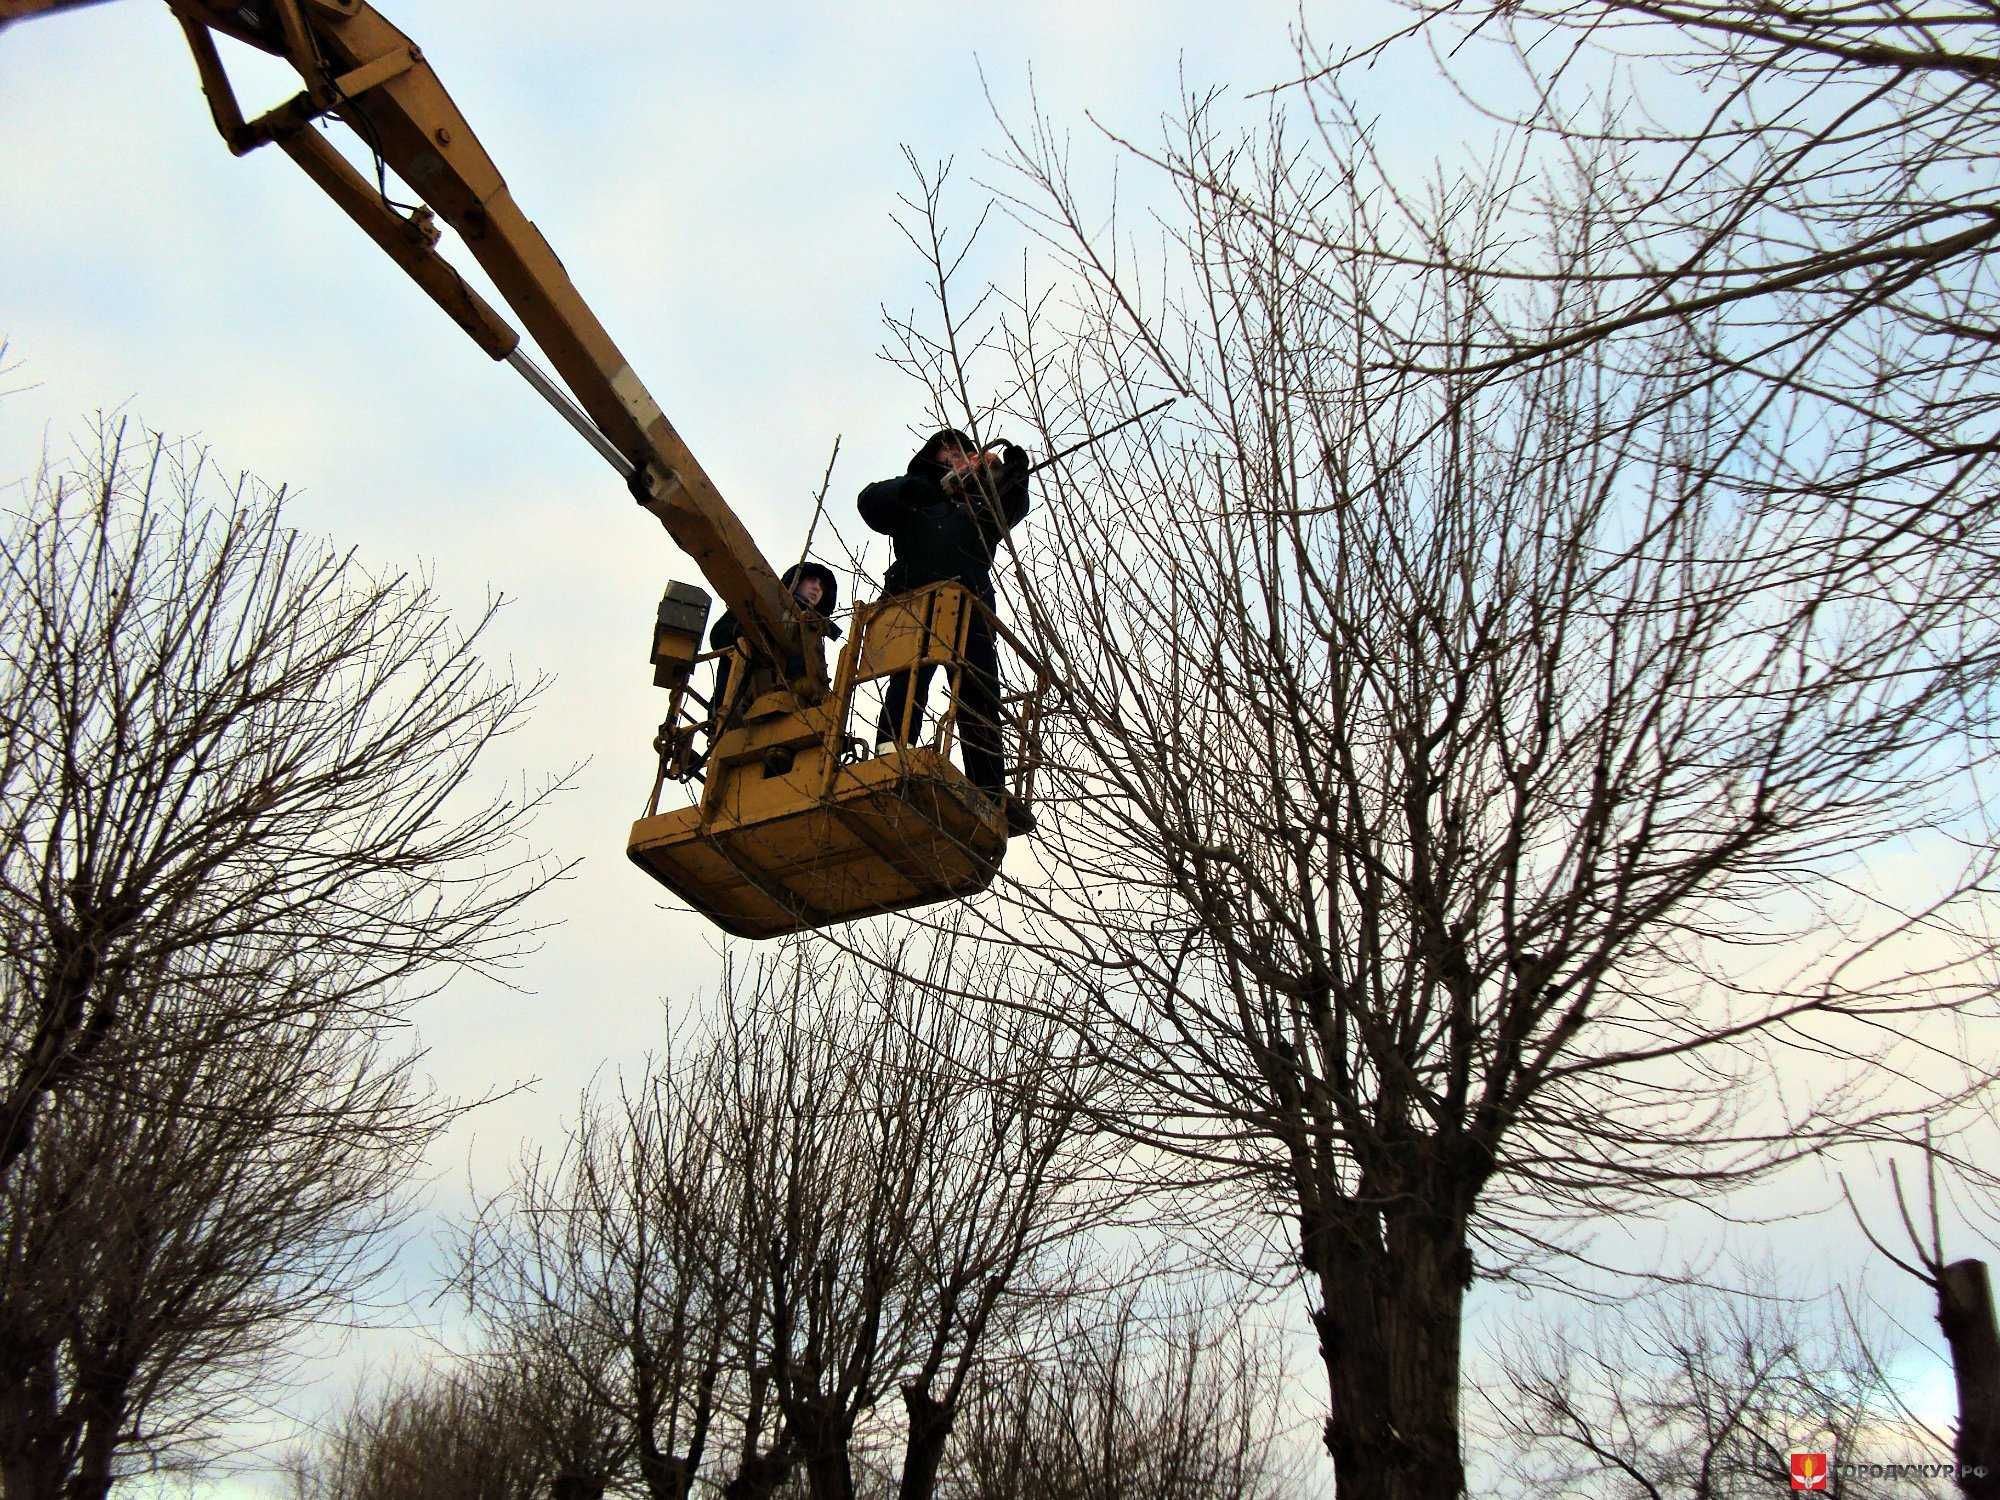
(939, 516)
(817, 593)
(945, 517)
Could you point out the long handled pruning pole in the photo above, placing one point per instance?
(1096, 437)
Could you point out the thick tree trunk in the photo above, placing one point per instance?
(667, 1476)
(1389, 1330)
(1965, 1313)
(21, 1475)
(34, 1471)
(92, 1480)
(101, 1402)
(670, 1476)
(923, 1450)
(820, 1431)
(91, 1484)
(760, 1477)
(830, 1475)
(34, 1436)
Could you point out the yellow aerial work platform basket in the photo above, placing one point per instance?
(798, 823)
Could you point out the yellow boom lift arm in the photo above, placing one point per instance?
(793, 829)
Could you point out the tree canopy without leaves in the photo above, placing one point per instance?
(238, 842)
(233, 754)
(1458, 785)
(1128, 1403)
(1695, 1393)
(1125, 1401)
(450, 1434)
(1808, 191)
(848, 1186)
(162, 1242)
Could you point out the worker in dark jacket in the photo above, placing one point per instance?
(944, 518)
(817, 593)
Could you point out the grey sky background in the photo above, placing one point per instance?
(718, 180)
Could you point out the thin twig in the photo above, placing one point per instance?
(819, 500)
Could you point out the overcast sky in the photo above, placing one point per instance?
(718, 180)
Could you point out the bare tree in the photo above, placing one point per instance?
(613, 1258)
(514, 1423)
(162, 1242)
(854, 1184)
(235, 848)
(230, 749)
(555, 1376)
(1012, 1183)
(450, 1434)
(1459, 785)
(1813, 186)
(1702, 1394)
(1963, 1295)
(907, 1182)
(1129, 1406)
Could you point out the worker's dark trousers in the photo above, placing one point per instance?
(978, 708)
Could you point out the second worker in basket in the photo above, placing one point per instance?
(945, 516)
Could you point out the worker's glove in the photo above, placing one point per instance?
(1013, 463)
